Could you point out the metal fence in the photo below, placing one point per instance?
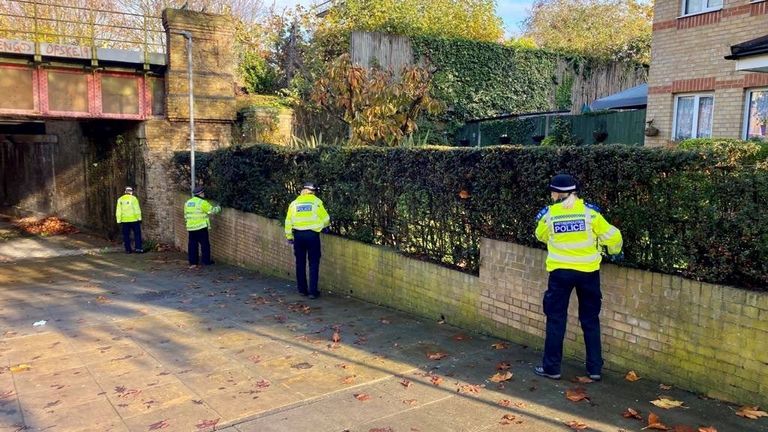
(610, 127)
(93, 23)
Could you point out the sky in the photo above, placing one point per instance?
(511, 11)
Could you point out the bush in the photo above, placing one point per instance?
(699, 213)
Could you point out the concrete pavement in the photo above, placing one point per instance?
(142, 343)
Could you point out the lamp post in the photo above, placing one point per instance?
(188, 36)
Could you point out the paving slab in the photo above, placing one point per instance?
(141, 342)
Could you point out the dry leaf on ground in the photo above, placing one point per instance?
(577, 425)
(632, 413)
(667, 403)
(501, 377)
(500, 345)
(436, 380)
(348, 380)
(460, 337)
(386, 429)
(751, 412)
(162, 424)
(583, 380)
(632, 376)
(436, 355)
(469, 388)
(410, 401)
(707, 429)
(362, 396)
(204, 424)
(336, 338)
(576, 394)
(507, 419)
(405, 383)
(654, 422)
(665, 387)
(502, 366)
(20, 368)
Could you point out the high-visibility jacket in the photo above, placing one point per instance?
(574, 236)
(197, 212)
(128, 209)
(306, 213)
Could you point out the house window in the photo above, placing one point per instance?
(700, 6)
(693, 116)
(756, 114)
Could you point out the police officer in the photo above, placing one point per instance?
(574, 232)
(128, 214)
(305, 220)
(197, 213)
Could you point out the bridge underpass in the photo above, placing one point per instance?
(81, 118)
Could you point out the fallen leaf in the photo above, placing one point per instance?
(162, 424)
(410, 401)
(632, 413)
(362, 396)
(507, 419)
(577, 425)
(385, 321)
(500, 345)
(207, 423)
(436, 355)
(460, 337)
(632, 376)
(751, 412)
(20, 368)
(436, 380)
(405, 383)
(502, 366)
(583, 380)
(469, 388)
(263, 384)
(576, 394)
(348, 380)
(255, 358)
(302, 365)
(665, 387)
(654, 422)
(501, 376)
(666, 403)
(52, 404)
(388, 429)
(707, 429)
(336, 338)
(102, 299)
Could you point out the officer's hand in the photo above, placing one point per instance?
(290, 242)
(617, 258)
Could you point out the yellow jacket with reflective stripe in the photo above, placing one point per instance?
(128, 209)
(196, 212)
(574, 236)
(306, 213)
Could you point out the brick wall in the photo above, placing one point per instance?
(688, 55)
(698, 336)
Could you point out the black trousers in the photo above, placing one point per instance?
(127, 228)
(306, 244)
(556, 299)
(199, 239)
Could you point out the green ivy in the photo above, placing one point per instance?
(699, 213)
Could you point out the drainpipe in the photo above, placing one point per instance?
(188, 36)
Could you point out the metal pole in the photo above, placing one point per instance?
(188, 36)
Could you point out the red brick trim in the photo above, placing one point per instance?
(729, 84)
(699, 20)
(692, 85)
(660, 89)
(756, 80)
(737, 10)
(760, 8)
(664, 25)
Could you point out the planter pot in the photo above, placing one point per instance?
(651, 131)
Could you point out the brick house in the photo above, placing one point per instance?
(709, 70)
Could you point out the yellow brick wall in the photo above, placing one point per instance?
(698, 336)
(698, 52)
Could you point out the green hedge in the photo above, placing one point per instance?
(699, 213)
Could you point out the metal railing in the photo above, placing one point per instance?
(80, 22)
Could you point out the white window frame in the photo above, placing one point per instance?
(695, 124)
(747, 103)
(684, 5)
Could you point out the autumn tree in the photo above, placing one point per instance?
(379, 107)
(610, 29)
(466, 19)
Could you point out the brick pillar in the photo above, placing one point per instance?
(213, 66)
